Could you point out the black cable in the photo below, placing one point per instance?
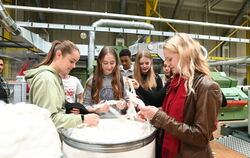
(22, 46)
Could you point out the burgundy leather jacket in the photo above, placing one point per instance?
(199, 119)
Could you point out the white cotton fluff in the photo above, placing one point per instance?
(112, 131)
(133, 101)
(27, 132)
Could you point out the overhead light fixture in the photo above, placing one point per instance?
(83, 35)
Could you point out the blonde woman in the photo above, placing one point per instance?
(190, 107)
(144, 74)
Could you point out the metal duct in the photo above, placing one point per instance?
(156, 48)
(31, 38)
(204, 51)
(35, 40)
(8, 22)
(122, 24)
(122, 16)
(231, 62)
(111, 23)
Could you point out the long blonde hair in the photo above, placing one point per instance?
(150, 82)
(191, 58)
(98, 76)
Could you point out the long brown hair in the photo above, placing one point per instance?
(150, 81)
(66, 47)
(98, 76)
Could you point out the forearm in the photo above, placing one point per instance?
(66, 120)
(190, 134)
(80, 98)
(91, 109)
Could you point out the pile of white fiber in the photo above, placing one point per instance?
(112, 131)
(27, 132)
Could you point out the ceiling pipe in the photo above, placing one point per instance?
(122, 16)
(8, 22)
(231, 62)
(111, 23)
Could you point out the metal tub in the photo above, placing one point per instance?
(141, 147)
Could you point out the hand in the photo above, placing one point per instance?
(121, 104)
(103, 109)
(75, 111)
(91, 119)
(148, 112)
(135, 83)
(140, 117)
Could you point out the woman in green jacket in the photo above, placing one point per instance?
(46, 88)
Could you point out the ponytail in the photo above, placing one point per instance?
(65, 46)
(50, 56)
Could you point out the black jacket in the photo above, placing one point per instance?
(4, 90)
(145, 95)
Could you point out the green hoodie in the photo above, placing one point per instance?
(46, 91)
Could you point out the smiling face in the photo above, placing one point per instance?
(67, 62)
(108, 63)
(145, 64)
(172, 59)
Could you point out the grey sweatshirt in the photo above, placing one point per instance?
(105, 94)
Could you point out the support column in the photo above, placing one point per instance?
(150, 7)
(148, 12)
(248, 54)
(7, 35)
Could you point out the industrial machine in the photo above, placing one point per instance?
(236, 135)
(236, 99)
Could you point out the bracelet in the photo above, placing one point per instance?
(82, 116)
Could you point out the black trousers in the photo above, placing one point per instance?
(159, 140)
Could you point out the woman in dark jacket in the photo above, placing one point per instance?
(144, 73)
(191, 104)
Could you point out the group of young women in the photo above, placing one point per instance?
(186, 107)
